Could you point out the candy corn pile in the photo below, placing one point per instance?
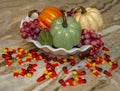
(23, 56)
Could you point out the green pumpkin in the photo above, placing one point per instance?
(65, 32)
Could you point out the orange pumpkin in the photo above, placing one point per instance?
(47, 15)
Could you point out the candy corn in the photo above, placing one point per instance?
(41, 78)
(81, 73)
(74, 72)
(62, 82)
(107, 73)
(20, 61)
(16, 73)
(65, 70)
(55, 64)
(95, 72)
(8, 63)
(88, 66)
(98, 69)
(80, 80)
(105, 49)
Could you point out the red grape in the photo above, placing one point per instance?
(91, 52)
(87, 41)
(87, 36)
(27, 29)
(25, 24)
(94, 56)
(82, 37)
(69, 13)
(22, 30)
(84, 31)
(24, 35)
(98, 42)
(98, 36)
(80, 44)
(34, 37)
(36, 21)
(32, 26)
(93, 35)
(93, 42)
(29, 23)
(37, 30)
(91, 31)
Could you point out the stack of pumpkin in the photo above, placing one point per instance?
(63, 29)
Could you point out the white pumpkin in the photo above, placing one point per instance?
(89, 18)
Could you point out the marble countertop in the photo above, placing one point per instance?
(11, 13)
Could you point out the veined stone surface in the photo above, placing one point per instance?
(11, 13)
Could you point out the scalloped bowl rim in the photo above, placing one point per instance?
(55, 50)
(81, 49)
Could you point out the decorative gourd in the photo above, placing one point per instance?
(89, 18)
(47, 15)
(65, 32)
(45, 38)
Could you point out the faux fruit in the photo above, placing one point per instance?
(65, 32)
(89, 18)
(30, 29)
(89, 37)
(47, 15)
(45, 38)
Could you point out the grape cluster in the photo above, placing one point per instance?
(70, 12)
(91, 38)
(30, 29)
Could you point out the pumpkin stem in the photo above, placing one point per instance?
(83, 10)
(64, 24)
(31, 12)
